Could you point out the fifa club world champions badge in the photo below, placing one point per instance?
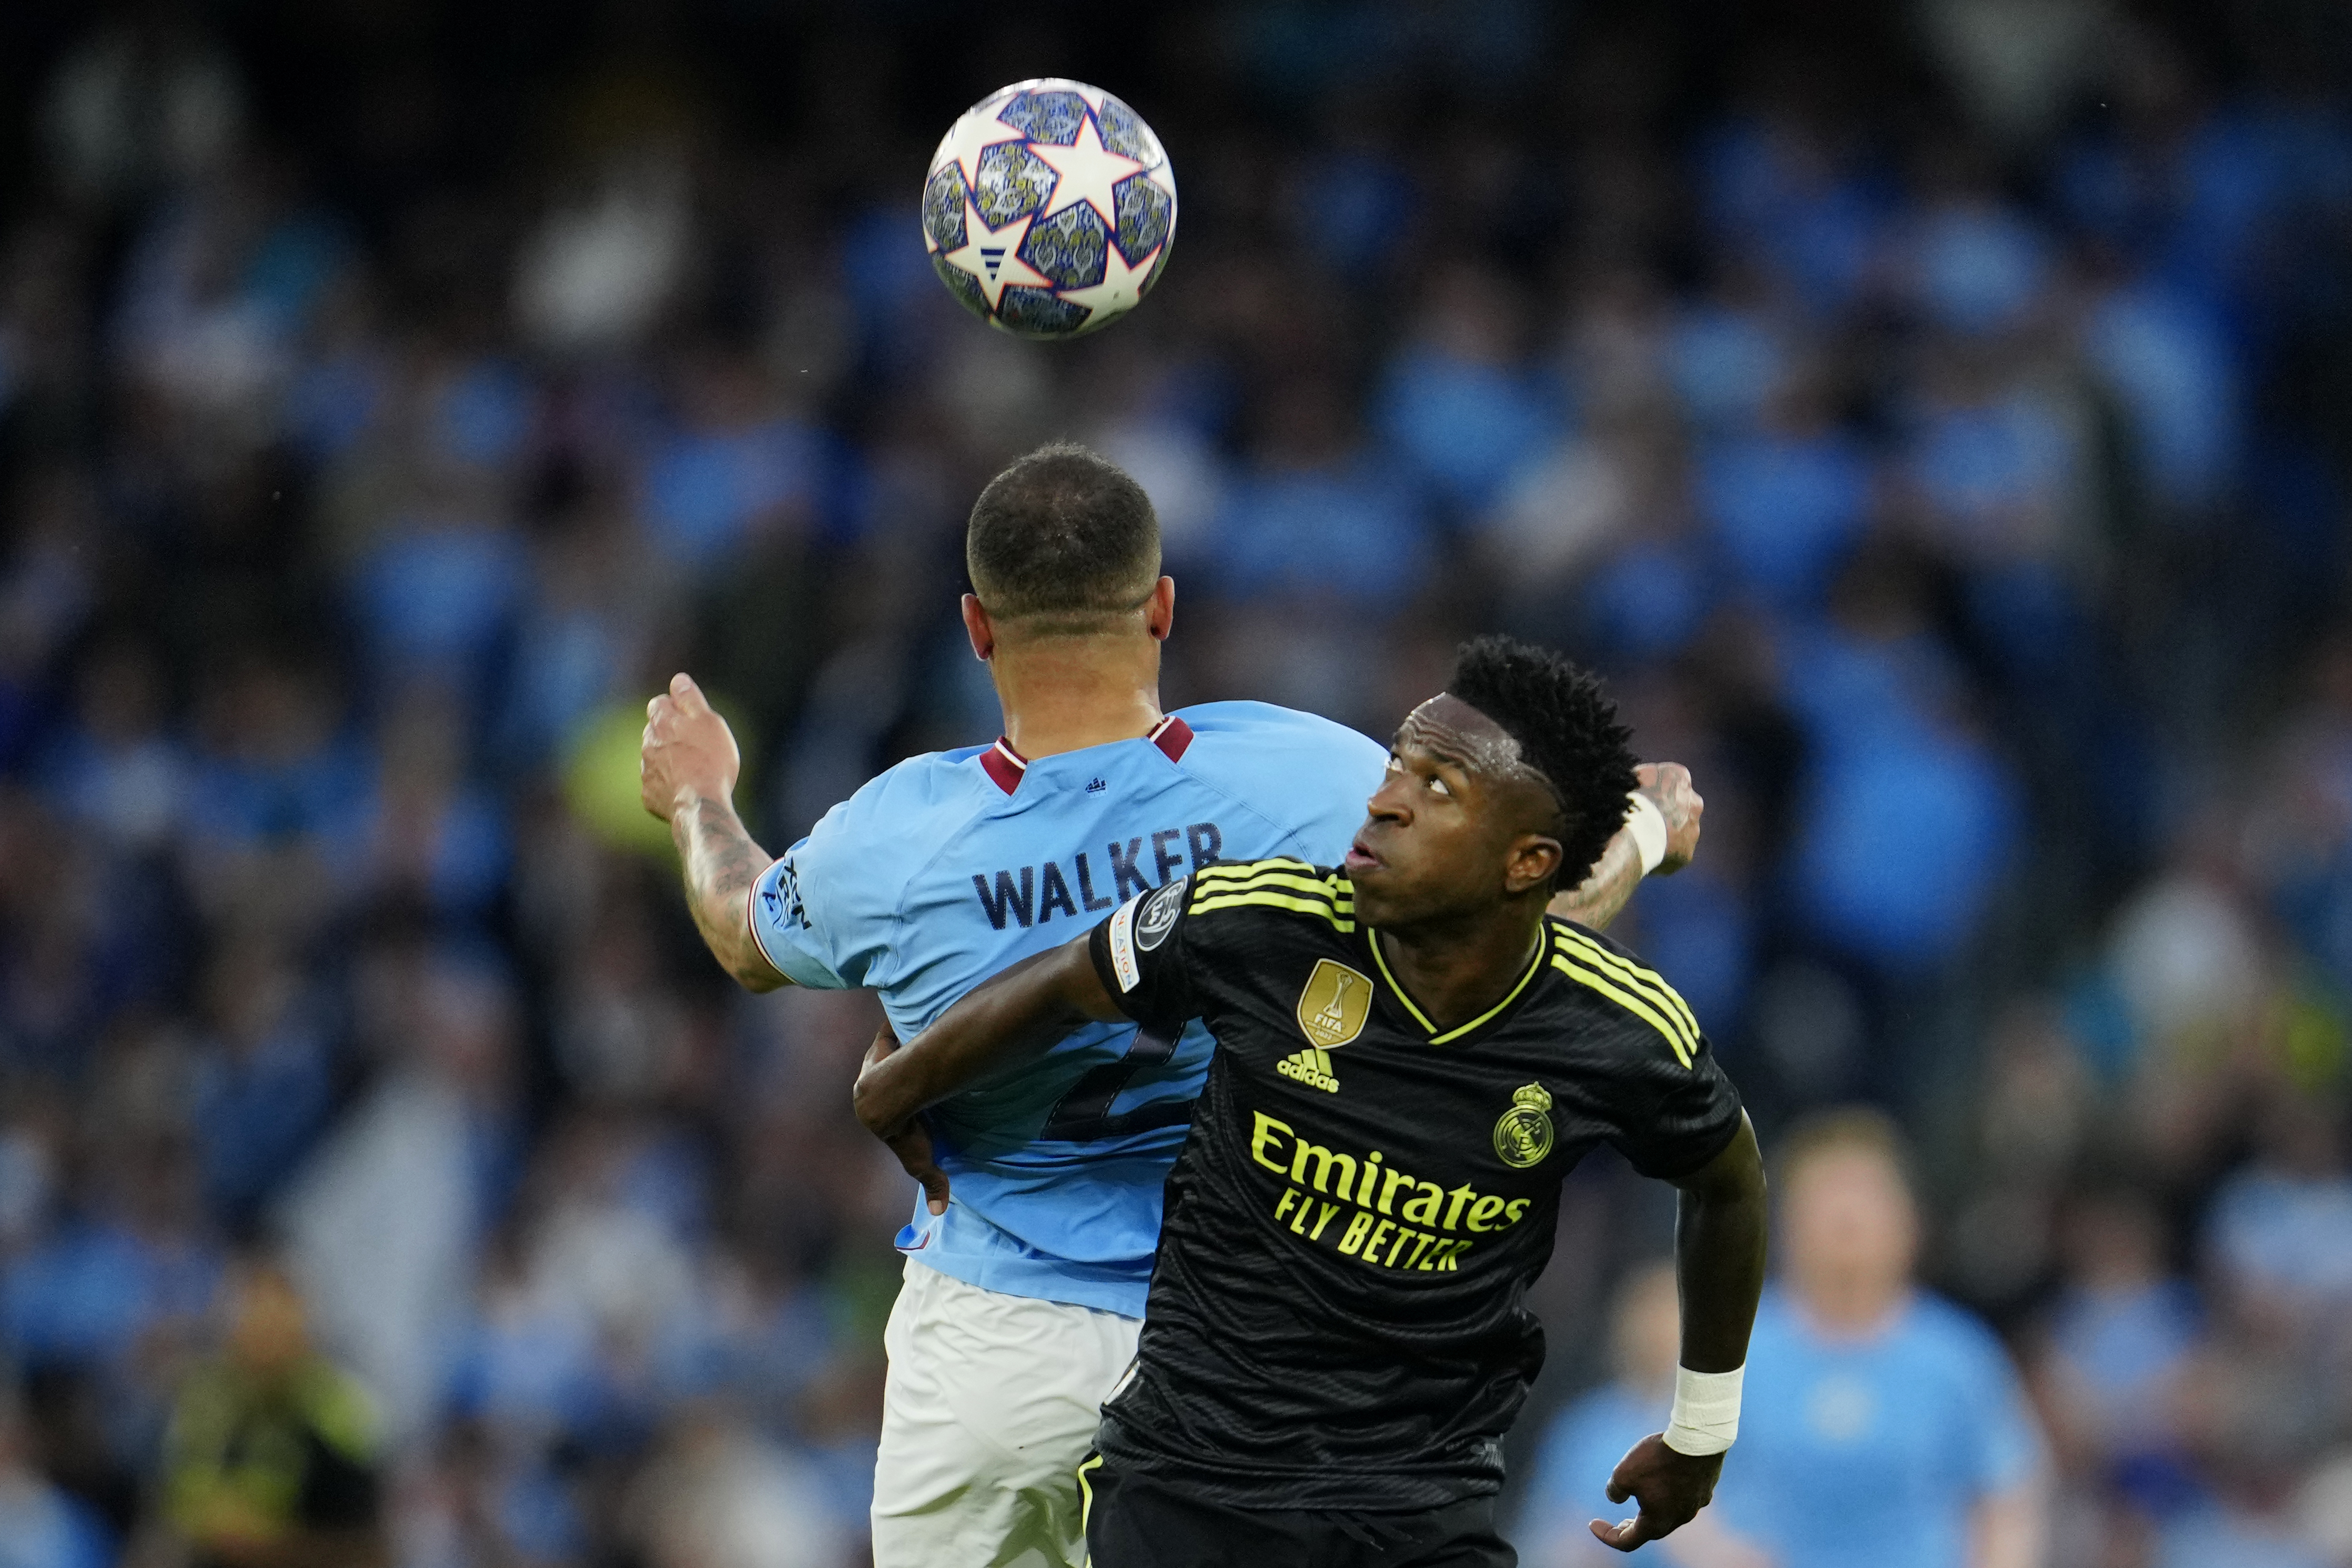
(1049, 208)
(1523, 1133)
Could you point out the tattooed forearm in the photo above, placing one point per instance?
(1604, 894)
(721, 863)
(734, 862)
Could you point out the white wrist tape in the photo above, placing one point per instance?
(1649, 826)
(1707, 1411)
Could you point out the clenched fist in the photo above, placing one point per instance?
(1669, 785)
(688, 752)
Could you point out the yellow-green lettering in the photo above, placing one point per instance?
(1414, 1261)
(1364, 1194)
(1358, 1224)
(1261, 1137)
(1389, 1188)
(1512, 1211)
(1380, 1235)
(1321, 1220)
(1325, 1159)
(1423, 1209)
(1289, 1200)
(1460, 1194)
(1482, 1212)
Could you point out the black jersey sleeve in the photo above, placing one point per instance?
(1670, 1105)
(1687, 1123)
(1142, 956)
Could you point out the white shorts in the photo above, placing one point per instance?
(990, 1407)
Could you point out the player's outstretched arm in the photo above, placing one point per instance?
(686, 770)
(1719, 1232)
(1016, 1013)
(1601, 896)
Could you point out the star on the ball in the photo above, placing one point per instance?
(1087, 171)
(1117, 291)
(986, 131)
(992, 256)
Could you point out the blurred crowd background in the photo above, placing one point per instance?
(1935, 417)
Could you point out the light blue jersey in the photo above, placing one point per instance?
(1871, 1453)
(951, 866)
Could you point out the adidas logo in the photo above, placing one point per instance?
(993, 257)
(1096, 786)
(1310, 1067)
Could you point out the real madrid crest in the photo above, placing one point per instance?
(1523, 1133)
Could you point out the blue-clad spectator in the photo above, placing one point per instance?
(116, 768)
(2281, 1228)
(1727, 357)
(1318, 519)
(738, 464)
(1976, 265)
(1787, 502)
(2124, 1328)
(1883, 1428)
(2166, 355)
(1908, 819)
(277, 764)
(425, 832)
(1647, 601)
(1352, 206)
(1455, 405)
(1585, 1441)
(263, 1082)
(1773, 188)
(435, 597)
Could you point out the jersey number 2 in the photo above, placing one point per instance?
(1083, 1116)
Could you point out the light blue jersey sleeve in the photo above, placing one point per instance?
(827, 913)
(808, 923)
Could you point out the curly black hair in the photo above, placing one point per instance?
(1568, 731)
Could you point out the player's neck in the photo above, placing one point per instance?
(1458, 968)
(1064, 694)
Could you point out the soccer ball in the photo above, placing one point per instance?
(1049, 208)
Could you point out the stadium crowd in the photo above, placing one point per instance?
(1933, 418)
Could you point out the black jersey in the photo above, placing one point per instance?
(1337, 1318)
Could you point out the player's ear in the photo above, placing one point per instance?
(979, 628)
(1159, 610)
(1534, 861)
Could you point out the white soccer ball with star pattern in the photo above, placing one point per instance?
(1049, 208)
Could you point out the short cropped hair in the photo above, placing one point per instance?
(1063, 540)
(1568, 731)
(1844, 1130)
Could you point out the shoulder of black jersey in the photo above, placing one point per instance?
(1279, 887)
(1634, 990)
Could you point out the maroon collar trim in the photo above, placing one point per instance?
(1173, 735)
(1005, 766)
